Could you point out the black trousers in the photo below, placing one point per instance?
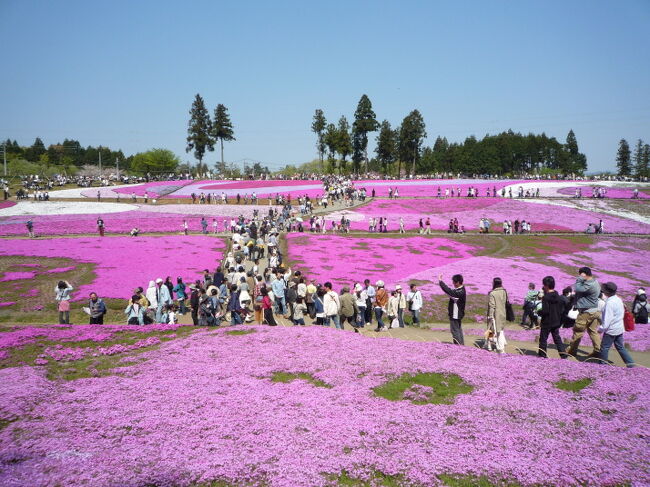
(97, 321)
(543, 341)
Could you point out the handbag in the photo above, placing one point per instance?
(394, 323)
(573, 313)
(510, 313)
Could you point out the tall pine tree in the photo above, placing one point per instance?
(411, 136)
(331, 141)
(199, 137)
(639, 170)
(365, 121)
(222, 127)
(623, 158)
(343, 142)
(318, 127)
(386, 146)
(577, 162)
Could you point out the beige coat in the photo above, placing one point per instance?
(497, 308)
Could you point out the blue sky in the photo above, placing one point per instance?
(124, 73)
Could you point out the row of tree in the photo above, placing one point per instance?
(67, 153)
(505, 153)
(633, 166)
(204, 132)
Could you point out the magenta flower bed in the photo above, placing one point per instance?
(6, 204)
(26, 335)
(12, 276)
(124, 263)
(153, 189)
(346, 260)
(231, 423)
(543, 217)
(420, 187)
(150, 218)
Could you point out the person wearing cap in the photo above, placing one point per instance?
(134, 311)
(456, 306)
(414, 303)
(309, 298)
(612, 326)
(589, 317)
(381, 301)
(163, 298)
(641, 307)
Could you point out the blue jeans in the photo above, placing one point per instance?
(361, 320)
(378, 314)
(336, 319)
(235, 318)
(416, 316)
(617, 341)
(281, 305)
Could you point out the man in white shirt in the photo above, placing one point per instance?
(612, 325)
(414, 302)
(331, 306)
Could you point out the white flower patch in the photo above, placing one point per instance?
(353, 216)
(596, 205)
(64, 208)
(105, 192)
(210, 210)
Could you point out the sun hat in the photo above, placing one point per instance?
(379, 283)
(398, 288)
(641, 291)
(159, 280)
(357, 287)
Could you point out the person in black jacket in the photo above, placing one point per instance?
(553, 306)
(456, 307)
(194, 303)
(218, 277)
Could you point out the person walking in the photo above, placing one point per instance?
(612, 326)
(349, 309)
(181, 295)
(641, 307)
(96, 309)
(100, 226)
(370, 299)
(204, 226)
(529, 306)
(456, 306)
(30, 229)
(63, 290)
(381, 301)
(589, 318)
(552, 311)
(497, 299)
(400, 305)
(414, 303)
(361, 298)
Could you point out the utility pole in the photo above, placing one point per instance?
(4, 152)
(100, 161)
(117, 165)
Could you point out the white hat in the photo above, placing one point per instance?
(357, 287)
(159, 280)
(379, 283)
(640, 291)
(398, 288)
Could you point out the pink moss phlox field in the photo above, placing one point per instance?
(625, 193)
(124, 263)
(6, 204)
(14, 276)
(70, 354)
(25, 335)
(469, 211)
(345, 261)
(204, 409)
(149, 218)
(153, 189)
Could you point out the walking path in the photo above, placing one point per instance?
(426, 334)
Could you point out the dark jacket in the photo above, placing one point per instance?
(553, 306)
(456, 295)
(218, 279)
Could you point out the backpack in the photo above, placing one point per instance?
(628, 321)
(642, 314)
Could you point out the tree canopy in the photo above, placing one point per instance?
(199, 130)
(155, 161)
(222, 126)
